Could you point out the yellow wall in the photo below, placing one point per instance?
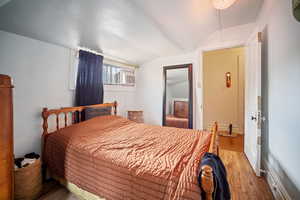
(222, 104)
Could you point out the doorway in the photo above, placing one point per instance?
(223, 90)
(178, 96)
(250, 128)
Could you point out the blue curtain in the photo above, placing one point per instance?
(89, 83)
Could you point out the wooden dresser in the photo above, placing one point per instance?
(6, 138)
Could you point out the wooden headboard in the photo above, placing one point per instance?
(75, 111)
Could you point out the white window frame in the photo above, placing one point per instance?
(124, 69)
(73, 69)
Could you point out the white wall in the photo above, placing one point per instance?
(41, 76)
(282, 62)
(229, 36)
(150, 87)
(150, 75)
(125, 96)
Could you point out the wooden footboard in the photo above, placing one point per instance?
(207, 178)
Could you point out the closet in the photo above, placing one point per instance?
(6, 138)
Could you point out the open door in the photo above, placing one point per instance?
(253, 103)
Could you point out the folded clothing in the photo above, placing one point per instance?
(32, 155)
(221, 186)
(18, 162)
(28, 159)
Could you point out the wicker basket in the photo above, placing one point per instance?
(28, 182)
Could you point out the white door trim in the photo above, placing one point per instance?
(201, 75)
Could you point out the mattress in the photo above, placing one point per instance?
(114, 158)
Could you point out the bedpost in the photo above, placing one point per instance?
(45, 132)
(207, 177)
(207, 180)
(214, 145)
(115, 107)
(45, 121)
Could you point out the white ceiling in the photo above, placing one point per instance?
(134, 30)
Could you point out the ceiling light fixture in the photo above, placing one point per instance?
(222, 4)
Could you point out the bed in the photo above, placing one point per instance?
(111, 157)
(179, 118)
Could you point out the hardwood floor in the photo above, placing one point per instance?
(244, 184)
(60, 194)
(232, 143)
(52, 190)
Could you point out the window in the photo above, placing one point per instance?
(114, 75)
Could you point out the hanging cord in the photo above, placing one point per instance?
(220, 24)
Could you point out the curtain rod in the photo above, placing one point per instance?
(108, 57)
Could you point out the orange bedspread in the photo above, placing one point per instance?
(115, 158)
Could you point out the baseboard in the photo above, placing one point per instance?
(276, 186)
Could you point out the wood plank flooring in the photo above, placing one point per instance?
(232, 143)
(59, 194)
(244, 185)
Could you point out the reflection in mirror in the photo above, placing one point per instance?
(176, 102)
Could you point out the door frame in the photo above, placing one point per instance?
(202, 51)
(219, 47)
(200, 83)
(202, 72)
(189, 66)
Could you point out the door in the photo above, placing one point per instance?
(252, 145)
(223, 101)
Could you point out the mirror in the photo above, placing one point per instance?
(177, 98)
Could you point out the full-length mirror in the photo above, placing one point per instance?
(178, 96)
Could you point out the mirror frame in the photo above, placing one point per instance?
(190, 79)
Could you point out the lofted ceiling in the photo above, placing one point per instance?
(133, 30)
